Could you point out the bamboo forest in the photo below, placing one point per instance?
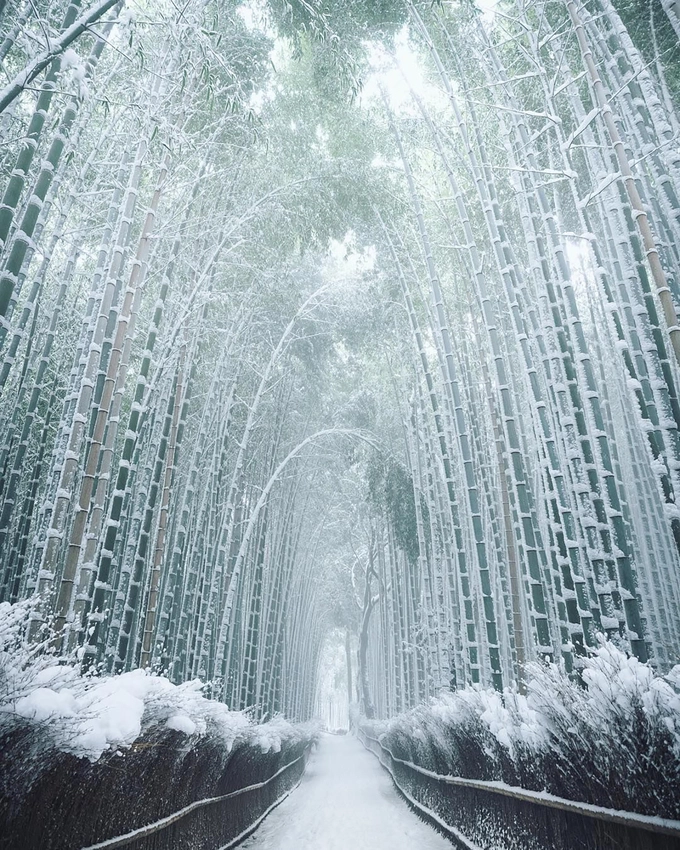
(340, 424)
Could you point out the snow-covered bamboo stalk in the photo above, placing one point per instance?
(651, 252)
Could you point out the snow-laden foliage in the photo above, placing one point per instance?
(87, 715)
(610, 738)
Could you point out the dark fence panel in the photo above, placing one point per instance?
(217, 822)
(478, 815)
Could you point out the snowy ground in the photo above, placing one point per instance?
(345, 801)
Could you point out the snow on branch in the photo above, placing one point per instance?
(56, 48)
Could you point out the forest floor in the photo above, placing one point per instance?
(346, 801)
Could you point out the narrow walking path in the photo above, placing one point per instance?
(345, 801)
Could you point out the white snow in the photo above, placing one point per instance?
(181, 723)
(45, 704)
(346, 801)
(71, 61)
(86, 715)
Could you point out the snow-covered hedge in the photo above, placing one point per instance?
(87, 715)
(611, 739)
(84, 757)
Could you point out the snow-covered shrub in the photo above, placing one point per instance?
(87, 715)
(20, 661)
(611, 738)
(139, 745)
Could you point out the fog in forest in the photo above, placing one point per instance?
(339, 393)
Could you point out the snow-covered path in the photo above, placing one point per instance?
(345, 801)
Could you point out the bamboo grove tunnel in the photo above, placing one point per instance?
(339, 368)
